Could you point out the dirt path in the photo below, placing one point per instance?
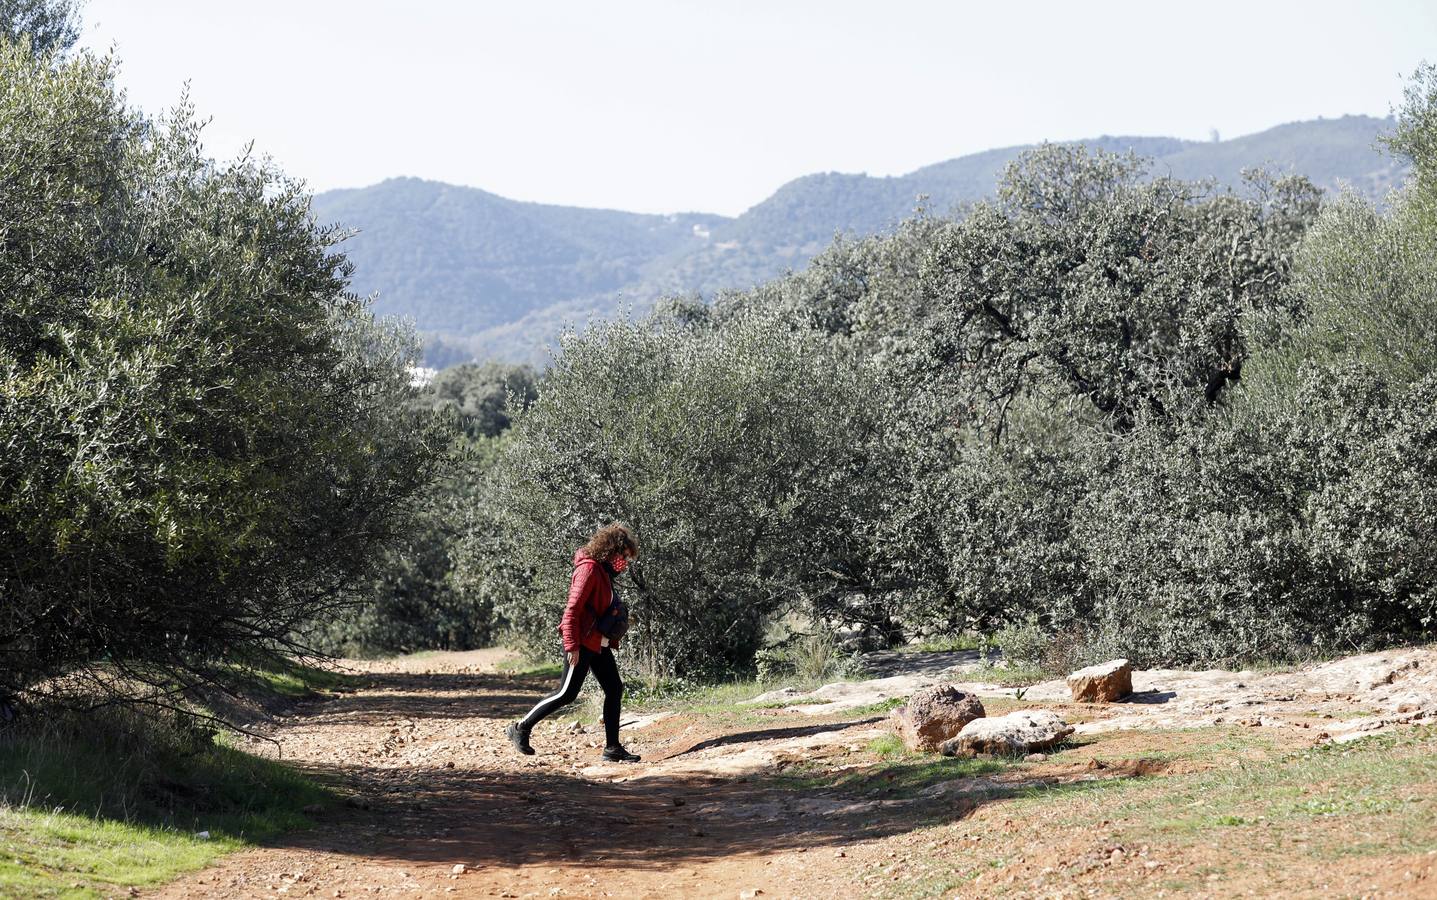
(432, 784)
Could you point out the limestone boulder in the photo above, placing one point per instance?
(935, 714)
(1102, 683)
(1016, 734)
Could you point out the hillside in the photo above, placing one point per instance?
(482, 275)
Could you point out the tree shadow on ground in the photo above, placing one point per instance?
(775, 734)
(397, 697)
(441, 816)
(1150, 697)
(502, 812)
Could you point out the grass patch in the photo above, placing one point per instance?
(879, 708)
(91, 803)
(1018, 676)
(897, 774)
(888, 746)
(523, 667)
(1294, 814)
(1385, 781)
(953, 644)
(293, 680)
(719, 697)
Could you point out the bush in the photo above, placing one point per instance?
(809, 655)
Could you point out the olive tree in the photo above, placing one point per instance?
(1089, 280)
(739, 453)
(203, 431)
(49, 26)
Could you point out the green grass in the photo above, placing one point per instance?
(66, 850)
(111, 799)
(879, 708)
(49, 854)
(1013, 676)
(529, 668)
(1293, 814)
(946, 644)
(720, 697)
(1386, 781)
(295, 681)
(897, 774)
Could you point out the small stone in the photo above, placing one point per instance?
(749, 894)
(459, 869)
(1035, 757)
(840, 854)
(679, 801)
(449, 764)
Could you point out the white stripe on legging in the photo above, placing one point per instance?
(563, 687)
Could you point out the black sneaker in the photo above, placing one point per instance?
(519, 737)
(619, 754)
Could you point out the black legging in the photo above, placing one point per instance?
(606, 670)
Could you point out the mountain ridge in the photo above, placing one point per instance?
(484, 275)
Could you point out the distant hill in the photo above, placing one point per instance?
(482, 275)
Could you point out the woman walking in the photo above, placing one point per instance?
(594, 621)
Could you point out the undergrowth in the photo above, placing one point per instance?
(118, 797)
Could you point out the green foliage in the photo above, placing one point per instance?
(1090, 280)
(811, 655)
(204, 431)
(1106, 414)
(738, 455)
(481, 395)
(419, 597)
(50, 26)
(1416, 134)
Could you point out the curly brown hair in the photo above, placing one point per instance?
(611, 540)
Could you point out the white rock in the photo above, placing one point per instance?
(1015, 734)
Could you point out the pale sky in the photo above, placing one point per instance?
(677, 105)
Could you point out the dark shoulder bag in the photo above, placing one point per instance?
(614, 623)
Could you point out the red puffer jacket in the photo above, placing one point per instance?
(590, 593)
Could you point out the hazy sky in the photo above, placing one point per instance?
(679, 105)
